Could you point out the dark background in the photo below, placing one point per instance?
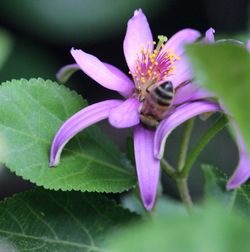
(43, 31)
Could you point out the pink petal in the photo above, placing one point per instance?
(138, 36)
(79, 121)
(242, 172)
(178, 41)
(125, 115)
(248, 45)
(179, 116)
(116, 71)
(209, 36)
(66, 72)
(147, 166)
(182, 72)
(102, 73)
(190, 92)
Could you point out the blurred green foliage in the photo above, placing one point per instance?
(28, 59)
(6, 45)
(64, 21)
(209, 229)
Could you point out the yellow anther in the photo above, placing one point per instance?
(156, 63)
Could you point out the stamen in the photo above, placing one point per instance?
(153, 66)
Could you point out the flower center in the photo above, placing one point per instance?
(153, 67)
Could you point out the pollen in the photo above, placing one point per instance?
(153, 65)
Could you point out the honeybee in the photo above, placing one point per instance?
(156, 105)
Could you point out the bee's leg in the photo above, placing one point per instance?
(148, 121)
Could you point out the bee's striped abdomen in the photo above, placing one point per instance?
(157, 105)
(163, 94)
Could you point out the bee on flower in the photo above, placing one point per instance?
(159, 96)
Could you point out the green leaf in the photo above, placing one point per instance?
(5, 46)
(30, 114)
(215, 186)
(215, 189)
(210, 229)
(44, 221)
(224, 69)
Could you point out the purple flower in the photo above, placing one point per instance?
(149, 67)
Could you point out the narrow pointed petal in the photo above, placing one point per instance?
(79, 121)
(102, 73)
(148, 167)
(178, 41)
(242, 172)
(138, 36)
(119, 74)
(190, 92)
(179, 116)
(66, 72)
(209, 36)
(125, 115)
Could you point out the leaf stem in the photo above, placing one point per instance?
(187, 131)
(205, 139)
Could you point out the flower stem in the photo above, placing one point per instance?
(168, 168)
(184, 166)
(205, 139)
(184, 193)
(184, 144)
